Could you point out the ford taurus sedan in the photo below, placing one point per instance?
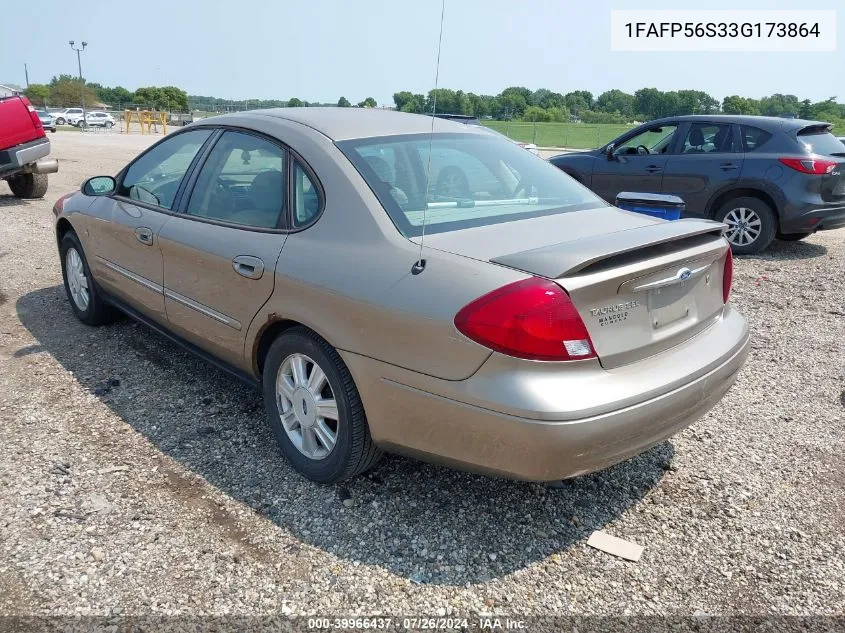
(392, 286)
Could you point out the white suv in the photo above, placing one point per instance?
(97, 119)
(68, 116)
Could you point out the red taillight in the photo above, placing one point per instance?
(533, 319)
(728, 276)
(36, 120)
(816, 166)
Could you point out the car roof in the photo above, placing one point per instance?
(782, 123)
(340, 124)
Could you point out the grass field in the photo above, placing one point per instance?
(574, 135)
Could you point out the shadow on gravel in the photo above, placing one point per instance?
(779, 250)
(424, 522)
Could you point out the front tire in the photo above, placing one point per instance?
(752, 224)
(314, 409)
(109, 125)
(82, 293)
(28, 185)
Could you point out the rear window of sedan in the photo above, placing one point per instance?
(472, 180)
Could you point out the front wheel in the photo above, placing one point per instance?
(314, 409)
(85, 299)
(751, 224)
(28, 185)
(109, 125)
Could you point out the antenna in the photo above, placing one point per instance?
(419, 265)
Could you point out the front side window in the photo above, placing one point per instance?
(155, 177)
(472, 180)
(706, 138)
(242, 182)
(655, 140)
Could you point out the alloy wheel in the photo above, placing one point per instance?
(76, 279)
(307, 406)
(744, 226)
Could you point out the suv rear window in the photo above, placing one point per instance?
(818, 140)
(753, 138)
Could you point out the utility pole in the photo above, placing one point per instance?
(81, 84)
(26, 74)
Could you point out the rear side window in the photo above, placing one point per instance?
(818, 140)
(753, 138)
(306, 197)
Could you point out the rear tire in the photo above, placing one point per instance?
(792, 237)
(752, 223)
(352, 451)
(93, 311)
(28, 185)
(60, 121)
(109, 125)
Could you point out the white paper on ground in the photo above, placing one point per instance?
(616, 546)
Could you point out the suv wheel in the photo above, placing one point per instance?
(751, 224)
(28, 185)
(314, 409)
(60, 121)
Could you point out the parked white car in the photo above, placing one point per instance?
(97, 119)
(68, 116)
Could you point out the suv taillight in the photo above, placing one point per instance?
(533, 319)
(813, 165)
(728, 276)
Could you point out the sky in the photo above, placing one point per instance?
(318, 50)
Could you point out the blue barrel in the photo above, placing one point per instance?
(656, 205)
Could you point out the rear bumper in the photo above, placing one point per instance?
(813, 218)
(14, 158)
(572, 422)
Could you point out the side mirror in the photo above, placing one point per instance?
(99, 186)
(609, 151)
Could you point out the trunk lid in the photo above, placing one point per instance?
(641, 285)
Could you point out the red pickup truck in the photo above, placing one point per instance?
(24, 149)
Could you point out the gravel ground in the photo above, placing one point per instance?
(138, 480)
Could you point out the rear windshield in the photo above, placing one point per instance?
(473, 180)
(820, 141)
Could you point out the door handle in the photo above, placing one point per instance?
(248, 266)
(144, 235)
(727, 166)
(653, 169)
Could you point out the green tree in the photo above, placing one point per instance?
(369, 102)
(69, 92)
(735, 104)
(616, 101)
(293, 102)
(343, 102)
(826, 110)
(806, 109)
(578, 101)
(536, 113)
(39, 94)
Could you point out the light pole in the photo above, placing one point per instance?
(81, 84)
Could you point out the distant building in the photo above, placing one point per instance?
(9, 90)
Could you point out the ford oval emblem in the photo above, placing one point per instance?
(684, 274)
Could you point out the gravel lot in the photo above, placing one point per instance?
(138, 480)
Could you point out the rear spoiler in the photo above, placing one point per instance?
(815, 128)
(568, 258)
